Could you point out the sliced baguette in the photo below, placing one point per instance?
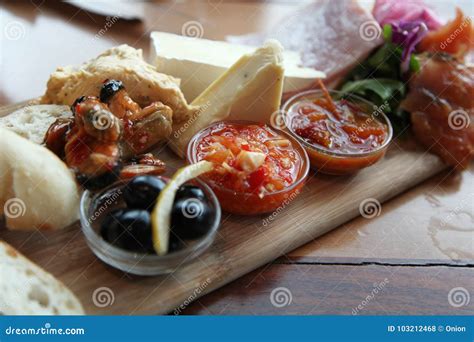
(27, 289)
(32, 122)
(37, 190)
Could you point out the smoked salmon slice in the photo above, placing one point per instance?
(456, 37)
(441, 104)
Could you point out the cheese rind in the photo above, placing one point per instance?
(251, 89)
(199, 62)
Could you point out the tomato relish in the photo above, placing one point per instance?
(346, 130)
(256, 167)
(340, 136)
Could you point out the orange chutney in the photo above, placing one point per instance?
(340, 136)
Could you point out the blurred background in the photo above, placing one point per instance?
(37, 36)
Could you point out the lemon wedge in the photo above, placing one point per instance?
(161, 214)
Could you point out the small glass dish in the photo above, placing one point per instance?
(334, 162)
(95, 205)
(243, 203)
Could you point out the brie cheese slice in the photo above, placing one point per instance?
(251, 89)
(199, 62)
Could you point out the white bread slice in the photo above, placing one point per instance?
(37, 190)
(32, 122)
(27, 289)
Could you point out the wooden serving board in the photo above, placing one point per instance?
(242, 244)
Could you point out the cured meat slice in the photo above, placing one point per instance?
(456, 37)
(331, 36)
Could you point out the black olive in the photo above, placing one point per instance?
(96, 182)
(190, 191)
(142, 191)
(109, 89)
(175, 243)
(128, 229)
(191, 218)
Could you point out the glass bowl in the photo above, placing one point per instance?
(94, 206)
(333, 162)
(243, 203)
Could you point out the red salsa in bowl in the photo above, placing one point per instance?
(257, 167)
(342, 134)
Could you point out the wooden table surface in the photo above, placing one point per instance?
(416, 257)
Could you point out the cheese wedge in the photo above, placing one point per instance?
(199, 62)
(250, 89)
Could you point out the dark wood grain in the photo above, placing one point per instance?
(336, 289)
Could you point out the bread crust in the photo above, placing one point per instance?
(27, 289)
(37, 190)
(32, 122)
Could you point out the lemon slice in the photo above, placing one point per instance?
(161, 214)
